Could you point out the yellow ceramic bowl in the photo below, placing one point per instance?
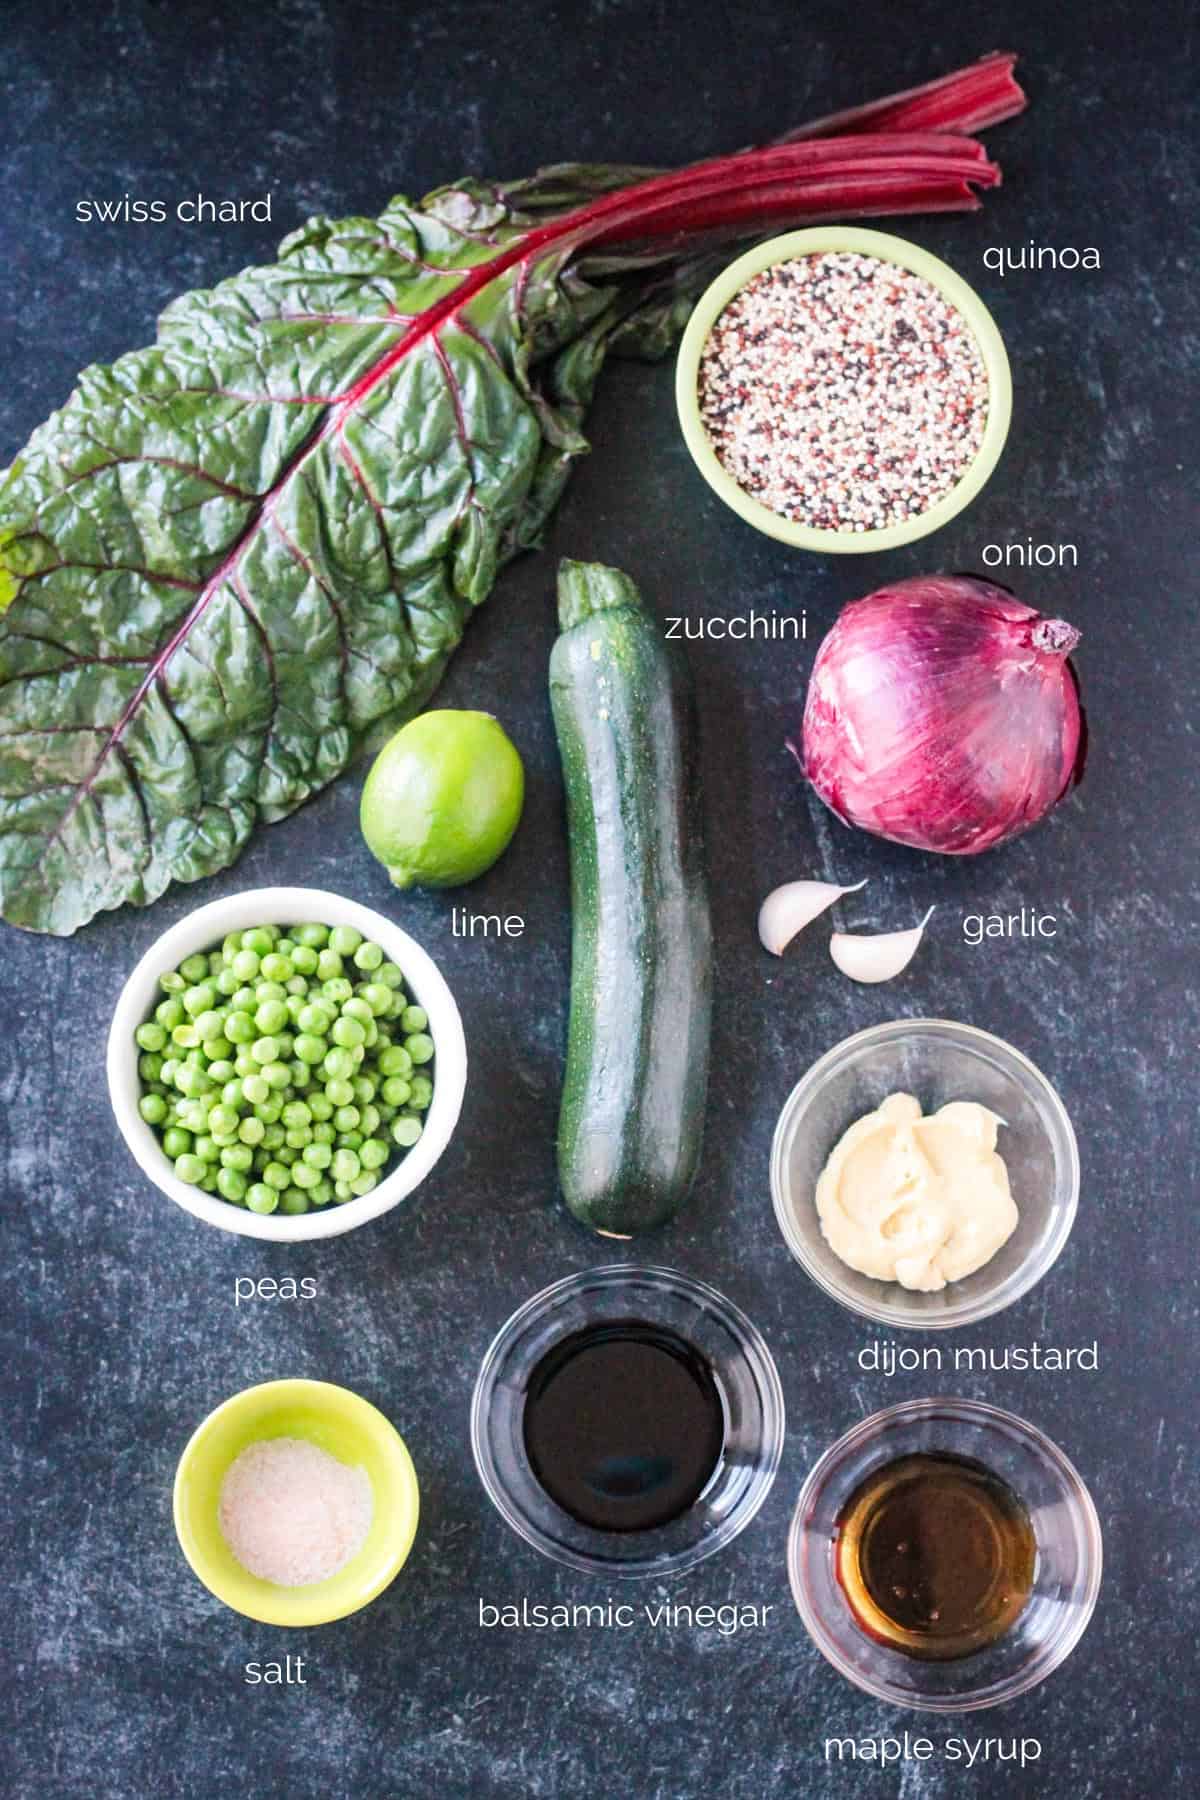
(886, 248)
(337, 1421)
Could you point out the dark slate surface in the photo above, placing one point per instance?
(122, 1675)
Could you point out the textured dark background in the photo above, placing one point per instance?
(122, 1675)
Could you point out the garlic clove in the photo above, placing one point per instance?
(877, 956)
(796, 904)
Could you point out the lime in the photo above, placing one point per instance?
(442, 799)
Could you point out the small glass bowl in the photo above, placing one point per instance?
(746, 1378)
(1066, 1575)
(937, 1061)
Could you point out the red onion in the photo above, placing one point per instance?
(942, 713)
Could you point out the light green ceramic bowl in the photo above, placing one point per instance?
(863, 243)
(337, 1421)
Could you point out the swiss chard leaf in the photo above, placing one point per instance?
(233, 553)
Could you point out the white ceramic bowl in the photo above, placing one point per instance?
(204, 929)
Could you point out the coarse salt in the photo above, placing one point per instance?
(293, 1514)
(843, 392)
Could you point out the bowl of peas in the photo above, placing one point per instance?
(286, 1063)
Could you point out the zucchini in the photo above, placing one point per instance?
(641, 955)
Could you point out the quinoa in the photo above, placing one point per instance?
(843, 392)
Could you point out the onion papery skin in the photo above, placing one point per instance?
(944, 714)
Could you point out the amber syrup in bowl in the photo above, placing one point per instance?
(944, 1555)
(935, 1555)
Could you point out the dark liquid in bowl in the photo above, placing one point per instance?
(935, 1555)
(624, 1425)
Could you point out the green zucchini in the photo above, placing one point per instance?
(641, 956)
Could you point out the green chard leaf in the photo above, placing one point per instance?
(232, 554)
(235, 557)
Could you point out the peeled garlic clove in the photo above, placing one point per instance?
(793, 906)
(879, 956)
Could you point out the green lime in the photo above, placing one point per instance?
(442, 799)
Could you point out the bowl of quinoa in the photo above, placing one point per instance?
(843, 390)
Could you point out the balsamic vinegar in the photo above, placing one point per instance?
(624, 1425)
(935, 1555)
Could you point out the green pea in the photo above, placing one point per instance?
(251, 1131)
(338, 1064)
(231, 1184)
(309, 1048)
(222, 1121)
(194, 1115)
(396, 1090)
(185, 1037)
(347, 1032)
(369, 1123)
(277, 968)
(170, 1013)
(217, 1049)
(226, 983)
(342, 1191)
(176, 1142)
(345, 939)
(189, 1168)
(362, 1184)
(313, 936)
(390, 975)
(301, 1074)
(374, 1153)
(317, 1155)
(240, 1028)
(368, 956)
(270, 1017)
(293, 1201)
(277, 1076)
(337, 991)
(345, 1166)
(324, 1133)
(320, 1106)
(194, 968)
(261, 1199)
(315, 1019)
(419, 1047)
(152, 1108)
(258, 939)
(265, 1050)
(277, 1175)
(364, 1090)
(351, 1140)
(150, 1066)
(406, 1131)
(256, 1089)
(151, 1037)
(422, 1093)
(237, 1156)
(346, 1118)
(322, 1194)
(220, 1071)
(329, 965)
(206, 1147)
(395, 1061)
(172, 982)
(192, 1082)
(208, 1025)
(304, 1176)
(304, 960)
(269, 1114)
(377, 997)
(199, 999)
